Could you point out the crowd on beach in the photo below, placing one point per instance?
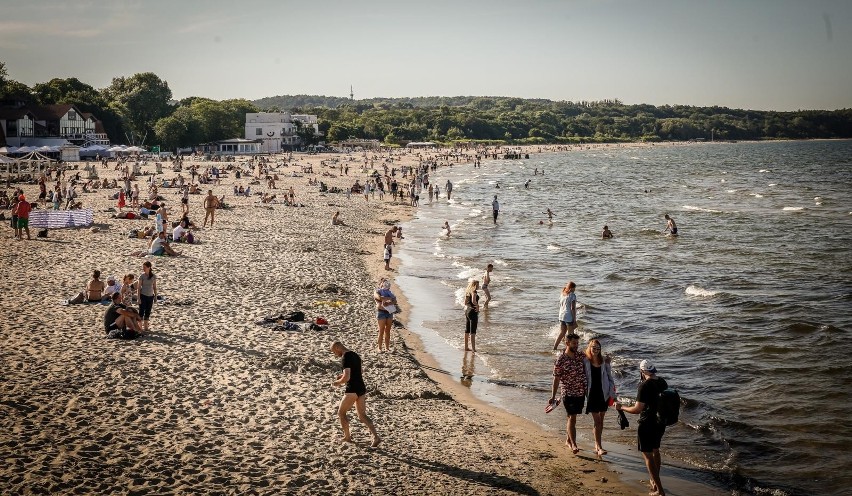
(584, 378)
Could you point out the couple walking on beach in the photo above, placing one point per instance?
(586, 378)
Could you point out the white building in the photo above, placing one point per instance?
(277, 130)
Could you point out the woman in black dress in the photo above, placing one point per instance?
(601, 389)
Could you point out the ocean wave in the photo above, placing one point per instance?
(554, 247)
(772, 184)
(693, 290)
(764, 170)
(793, 209)
(701, 209)
(498, 261)
(757, 195)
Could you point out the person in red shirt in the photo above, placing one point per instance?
(22, 212)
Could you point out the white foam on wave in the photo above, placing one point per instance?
(772, 184)
(701, 209)
(817, 198)
(693, 290)
(793, 209)
(554, 247)
(723, 181)
(764, 170)
(757, 195)
(730, 191)
(498, 261)
(475, 213)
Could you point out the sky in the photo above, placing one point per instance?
(753, 54)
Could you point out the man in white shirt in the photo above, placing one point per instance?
(111, 288)
(179, 232)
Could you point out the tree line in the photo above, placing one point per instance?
(518, 120)
(140, 110)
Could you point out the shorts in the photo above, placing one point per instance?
(113, 327)
(159, 252)
(382, 315)
(22, 223)
(674, 231)
(571, 325)
(573, 404)
(185, 201)
(649, 435)
(358, 389)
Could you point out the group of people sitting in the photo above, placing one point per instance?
(96, 291)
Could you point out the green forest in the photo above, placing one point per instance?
(140, 110)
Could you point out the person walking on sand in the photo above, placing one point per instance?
(447, 228)
(471, 314)
(601, 389)
(210, 205)
(495, 209)
(650, 432)
(486, 280)
(355, 393)
(385, 308)
(388, 246)
(567, 312)
(147, 294)
(569, 373)
(670, 225)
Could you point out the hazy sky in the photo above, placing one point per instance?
(757, 54)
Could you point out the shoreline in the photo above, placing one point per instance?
(210, 402)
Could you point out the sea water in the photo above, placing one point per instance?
(746, 312)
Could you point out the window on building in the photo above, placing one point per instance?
(258, 131)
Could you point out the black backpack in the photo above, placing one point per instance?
(668, 407)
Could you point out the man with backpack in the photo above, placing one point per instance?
(652, 426)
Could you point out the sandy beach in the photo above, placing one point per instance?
(211, 402)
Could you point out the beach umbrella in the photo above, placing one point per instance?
(133, 149)
(44, 148)
(116, 149)
(25, 149)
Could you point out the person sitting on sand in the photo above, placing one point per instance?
(112, 287)
(93, 293)
(267, 198)
(158, 246)
(336, 220)
(356, 392)
(119, 318)
(179, 233)
(606, 234)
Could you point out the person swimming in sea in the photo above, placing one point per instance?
(606, 233)
(670, 225)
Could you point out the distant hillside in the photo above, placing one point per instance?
(287, 102)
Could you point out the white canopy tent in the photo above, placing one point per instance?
(28, 164)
